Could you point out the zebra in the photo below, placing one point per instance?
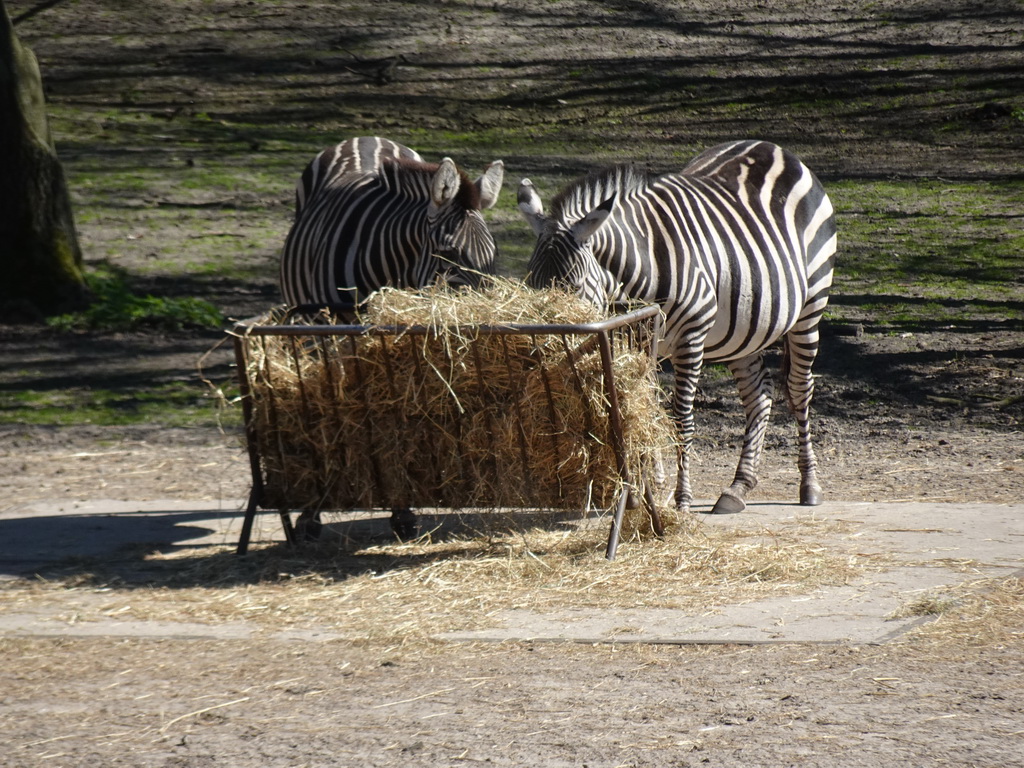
(370, 212)
(738, 250)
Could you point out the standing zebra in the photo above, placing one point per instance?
(370, 212)
(737, 248)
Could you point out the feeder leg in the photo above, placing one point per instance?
(250, 515)
(652, 510)
(613, 535)
(289, 529)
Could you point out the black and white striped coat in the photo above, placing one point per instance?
(370, 212)
(737, 248)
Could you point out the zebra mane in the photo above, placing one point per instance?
(587, 192)
(412, 178)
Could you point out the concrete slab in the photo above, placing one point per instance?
(932, 546)
(987, 533)
(858, 613)
(929, 546)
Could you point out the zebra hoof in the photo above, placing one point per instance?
(810, 496)
(728, 504)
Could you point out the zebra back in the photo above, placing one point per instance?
(779, 179)
(363, 155)
(737, 245)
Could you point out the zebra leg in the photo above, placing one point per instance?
(686, 366)
(798, 355)
(755, 388)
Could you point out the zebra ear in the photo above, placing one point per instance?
(530, 206)
(489, 184)
(446, 183)
(585, 228)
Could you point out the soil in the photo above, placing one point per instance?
(935, 414)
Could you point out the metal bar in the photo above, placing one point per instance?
(289, 528)
(616, 321)
(613, 534)
(572, 358)
(333, 385)
(368, 422)
(247, 521)
(652, 510)
(307, 413)
(274, 424)
(415, 477)
(617, 439)
(488, 420)
(437, 481)
(251, 439)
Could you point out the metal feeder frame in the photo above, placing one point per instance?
(638, 328)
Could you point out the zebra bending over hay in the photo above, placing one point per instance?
(737, 248)
(370, 212)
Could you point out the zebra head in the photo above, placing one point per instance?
(458, 247)
(563, 256)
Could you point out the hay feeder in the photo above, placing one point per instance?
(364, 416)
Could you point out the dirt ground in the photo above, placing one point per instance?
(932, 415)
(515, 705)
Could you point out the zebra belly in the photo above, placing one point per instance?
(750, 327)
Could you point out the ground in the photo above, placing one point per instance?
(921, 412)
(288, 705)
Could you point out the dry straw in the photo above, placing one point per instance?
(400, 593)
(987, 613)
(454, 417)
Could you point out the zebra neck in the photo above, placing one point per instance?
(585, 194)
(625, 268)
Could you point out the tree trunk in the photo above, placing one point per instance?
(40, 259)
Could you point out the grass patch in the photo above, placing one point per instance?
(920, 253)
(204, 190)
(116, 308)
(170, 404)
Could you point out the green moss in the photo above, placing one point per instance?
(116, 308)
(920, 252)
(175, 404)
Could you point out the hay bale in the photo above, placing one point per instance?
(454, 416)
